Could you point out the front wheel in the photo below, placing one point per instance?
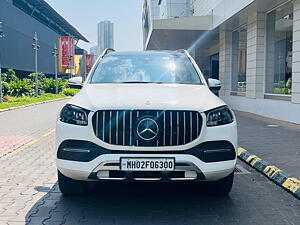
(221, 187)
(69, 186)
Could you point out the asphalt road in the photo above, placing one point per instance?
(29, 193)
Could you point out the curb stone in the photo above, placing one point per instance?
(287, 182)
(37, 103)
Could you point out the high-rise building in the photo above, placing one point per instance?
(94, 51)
(105, 35)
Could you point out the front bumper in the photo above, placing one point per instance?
(191, 168)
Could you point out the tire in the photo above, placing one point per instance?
(221, 187)
(69, 187)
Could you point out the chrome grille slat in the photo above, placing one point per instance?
(191, 127)
(130, 124)
(175, 128)
(117, 128)
(103, 126)
(197, 124)
(97, 124)
(164, 137)
(171, 130)
(110, 124)
(123, 133)
(184, 127)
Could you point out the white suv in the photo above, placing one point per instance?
(146, 116)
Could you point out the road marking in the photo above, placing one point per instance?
(270, 171)
(14, 152)
(23, 147)
(292, 184)
(31, 142)
(48, 133)
(273, 125)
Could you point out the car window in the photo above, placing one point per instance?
(146, 68)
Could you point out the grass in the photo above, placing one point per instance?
(26, 100)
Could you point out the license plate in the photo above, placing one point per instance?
(147, 164)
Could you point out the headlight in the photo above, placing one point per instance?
(219, 116)
(74, 115)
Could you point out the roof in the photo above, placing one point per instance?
(148, 53)
(43, 12)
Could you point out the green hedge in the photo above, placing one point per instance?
(70, 91)
(16, 87)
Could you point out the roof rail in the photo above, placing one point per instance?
(106, 51)
(182, 51)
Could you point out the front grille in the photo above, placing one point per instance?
(166, 127)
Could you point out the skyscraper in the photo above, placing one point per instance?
(94, 51)
(105, 35)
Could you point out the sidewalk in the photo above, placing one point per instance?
(272, 140)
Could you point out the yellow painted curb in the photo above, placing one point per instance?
(241, 150)
(252, 159)
(270, 171)
(292, 184)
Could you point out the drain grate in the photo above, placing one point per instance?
(240, 170)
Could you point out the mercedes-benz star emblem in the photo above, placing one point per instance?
(147, 129)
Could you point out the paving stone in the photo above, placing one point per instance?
(278, 145)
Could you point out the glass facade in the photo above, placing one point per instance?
(279, 50)
(239, 60)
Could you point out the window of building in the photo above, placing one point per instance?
(279, 50)
(239, 60)
(214, 66)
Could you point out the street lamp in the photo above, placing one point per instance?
(1, 36)
(36, 47)
(55, 54)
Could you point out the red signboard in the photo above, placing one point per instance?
(67, 50)
(89, 62)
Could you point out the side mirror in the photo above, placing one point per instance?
(75, 82)
(214, 85)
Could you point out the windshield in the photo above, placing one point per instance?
(171, 68)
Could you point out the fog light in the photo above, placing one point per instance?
(190, 174)
(103, 174)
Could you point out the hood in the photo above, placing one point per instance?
(146, 96)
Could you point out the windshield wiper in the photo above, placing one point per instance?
(140, 82)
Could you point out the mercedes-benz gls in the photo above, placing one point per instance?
(146, 116)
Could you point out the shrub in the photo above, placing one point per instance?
(70, 91)
(49, 86)
(5, 88)
(285, 91)
(20, 88)
(9, 76)
(41, 77)
(41, 80)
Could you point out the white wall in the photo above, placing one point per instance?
(204, 7)
(277, 109)
(175, 8)
(220, 9)
(155, 15)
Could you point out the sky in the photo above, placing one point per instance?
(84, 15)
